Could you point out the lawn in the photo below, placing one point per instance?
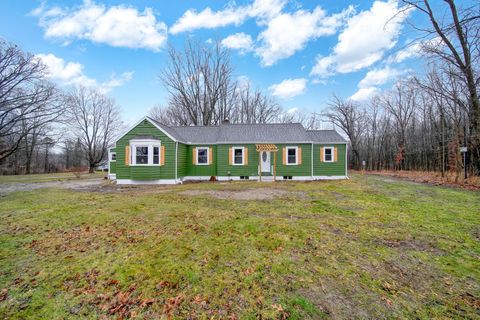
(369, 247)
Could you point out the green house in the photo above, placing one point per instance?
(153, 153)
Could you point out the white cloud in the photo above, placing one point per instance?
(365, 39)
(415, 49)
(364, 94)
(71, 73)
(238, 41)
(288, 33)
(289, 88)
(118, 26)
(378, 77)
(209, 19)
(368, 86)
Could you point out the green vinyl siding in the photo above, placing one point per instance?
(304, 169)
(182, 160)
(224, 168)
(201, 170)
(167, 171)
(113, 167)
(329, 168)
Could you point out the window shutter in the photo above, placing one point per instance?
(245, 156)
(299, 155)
(162, 155)
(321, 154)
(335, 154)
(127, 155)
(210, 155)
(230, 151)
(194, 156)
(284, 156)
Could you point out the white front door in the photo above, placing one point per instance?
(265, 161)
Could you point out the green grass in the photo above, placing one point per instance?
(45, 177)
(362, 248)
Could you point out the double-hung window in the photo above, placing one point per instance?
(238, 156)
(292, 155)
(328, 154)
(145, 152)
(202, 156)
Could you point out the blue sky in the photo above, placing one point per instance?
(300, 52)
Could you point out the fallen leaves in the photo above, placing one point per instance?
(173, 304)
(3, 294)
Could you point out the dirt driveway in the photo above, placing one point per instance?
(81, 184)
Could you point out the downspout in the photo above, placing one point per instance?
(346, 161)
(176, 161)
(311, 160)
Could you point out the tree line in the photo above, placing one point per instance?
(44, 128)
(423, 122)
(204, 91)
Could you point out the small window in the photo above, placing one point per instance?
(202, 155)
(244, 177)
(328, 154)
(141, 155)
(113, 156)
(238, 156)
(287, 177)
(292, 155)
(156, 155)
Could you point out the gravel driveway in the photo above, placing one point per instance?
(83, 184)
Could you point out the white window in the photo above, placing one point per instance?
(145, 152)
(238, 156)
(202, 156)
(292, 155)
(328, 154)
(113, 156)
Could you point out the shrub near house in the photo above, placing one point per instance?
(154, 153)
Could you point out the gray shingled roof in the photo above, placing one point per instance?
(325, 136)
(250, 133)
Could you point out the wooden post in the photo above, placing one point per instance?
(275, 166)
(259, 166)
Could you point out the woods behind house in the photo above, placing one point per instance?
(421, 123)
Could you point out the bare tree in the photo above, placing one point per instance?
(27, 100)
(458, 27)
(199, 81)
(96, 120)
(350, 119)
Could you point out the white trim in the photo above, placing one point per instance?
(226, 178)
(161, 181)
(111, 176)
(237, 178)
(233, 156)
(330, 177)
(332, 154)
(296, 155)
(150, 144)
(196, 156)
(196, 178)
(140, 121)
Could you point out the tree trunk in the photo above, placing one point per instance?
(92, 168)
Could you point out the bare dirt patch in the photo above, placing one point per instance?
(248, 194)
(86, 184)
